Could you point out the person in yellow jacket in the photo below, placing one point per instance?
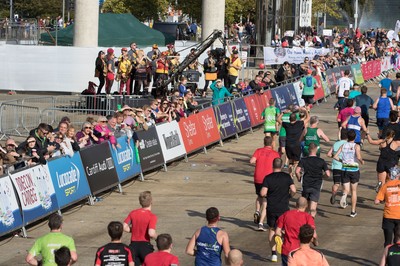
(234, 67)
(124, 74)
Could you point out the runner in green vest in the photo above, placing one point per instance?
(313, 134)
(270, 125)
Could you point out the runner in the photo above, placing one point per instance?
(356, 123)
(383, 105)
(208, 242)
(235, 258)
(282, 131)
(263, 158)
(163, 256)
(313, 135)
(308, 84)
(46, 244)
(343, 84)
(276, 187)
(350, 153)
(142, 224)
(391, 253)
(294, 132)
(270, 125)
(388, 157)
(115, 252)
(290, 223)
(313, 169)
(336, 165)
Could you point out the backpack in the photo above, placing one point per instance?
(309, 81)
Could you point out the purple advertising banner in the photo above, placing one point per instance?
(241, 115)
(284, 96)
(224, 116)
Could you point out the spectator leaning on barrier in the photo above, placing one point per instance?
(46, 244)
(86, 137)
(219, 92)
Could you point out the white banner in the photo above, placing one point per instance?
(299, 93)
(295, 55)
(305, 13)
(385, 64)
(10, 215)
(171, 140)
(35, 191)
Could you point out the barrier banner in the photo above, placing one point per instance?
(357, 74)
(35, 192)
(150, 151)
(240, 115)
(385, 64)
(299, 92)
(126, 159)
(254, 109)
(278, 55)
(69, 179)
(263, 99)
(209, 126)
(333, 75)
(171, 140)
(10, 214)
(192, 133)
(325, 86)
(284, 96)
(99, 167)
(224, 116)
(319, 91)
(344, 68)
(371, 69)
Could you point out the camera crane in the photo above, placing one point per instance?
(201, 48)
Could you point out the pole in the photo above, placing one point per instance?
(11, 11)
(356, 16)
(325, 15)
(63, 13)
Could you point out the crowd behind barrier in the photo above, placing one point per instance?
(31, 193)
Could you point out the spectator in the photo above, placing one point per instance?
(86, 137)
(284, 72)
(233, 69)
(219, 92)
(106, 134)
(101, 70)
(46, 244)
(163, 256)
(182, 86)
(31, 152)
(188, 105)
(255, 84)
(69, 145)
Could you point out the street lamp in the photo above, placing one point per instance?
(356, 16)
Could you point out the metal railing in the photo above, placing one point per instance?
(17, 120)
(24, 32)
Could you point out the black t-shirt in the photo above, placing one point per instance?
(313, 167)
(114, 254)
(395, 85)
(393, 126)
(393, 255)
(293, 132)
(278, 196)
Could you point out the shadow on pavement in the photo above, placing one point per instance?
(344, 257)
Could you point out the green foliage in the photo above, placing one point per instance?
(191, 8)
(115, 6)
(148, 9)
(35, 8)
(331, 8)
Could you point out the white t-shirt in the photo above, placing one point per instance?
(344, 83)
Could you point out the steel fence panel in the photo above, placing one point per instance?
(18, 120)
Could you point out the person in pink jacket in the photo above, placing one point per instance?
(105, 132)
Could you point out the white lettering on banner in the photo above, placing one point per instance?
(67, 178)
(190, 129)
(27, 189)
(124, 156)
(295, 55)
(105, 165)
(239, 111)
(224, 116)
(208, 123)
(145, 144)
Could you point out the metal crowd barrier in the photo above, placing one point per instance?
(18, 119)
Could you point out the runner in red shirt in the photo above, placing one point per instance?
(262, 158)
(290, 222)
(142, 224)
(163, 256)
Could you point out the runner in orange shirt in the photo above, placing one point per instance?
(390, 194)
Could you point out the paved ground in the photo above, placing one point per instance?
(223, 178)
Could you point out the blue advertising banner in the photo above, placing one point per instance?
(225, 122)
(10, 214)
(126, 160)
(284, 96)
(35, 192)
(241, 115)
(69, 179)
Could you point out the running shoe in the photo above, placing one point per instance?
(274, 258)
(261, 227)
(333, 199)
(256, 217)
(343, 201)
(279, 243)
(378, 186)
(353, 214)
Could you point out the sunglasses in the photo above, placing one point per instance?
(32, 141)
(88, 127)
(45, 132)
(180, 99)
(165, 103)
(103, 121)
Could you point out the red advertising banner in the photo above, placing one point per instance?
(192, 133)
(254, 108)
(319, 91)
(371, 69)
(208, 126)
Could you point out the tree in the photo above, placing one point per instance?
(148, 9)
(34, 8)
(329, 6)
(191, 8)
(115, 6)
